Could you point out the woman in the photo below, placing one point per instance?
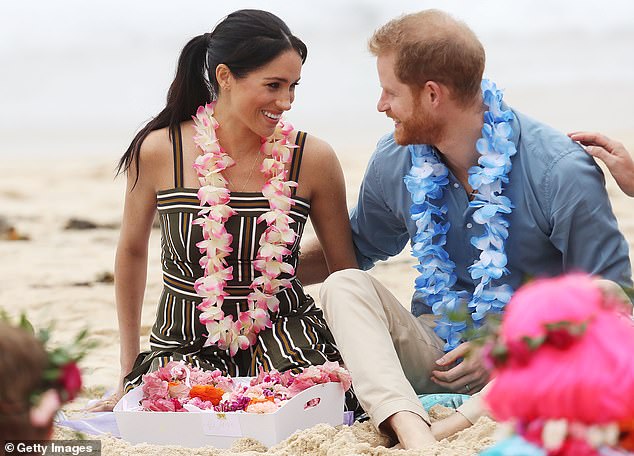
(231, 265)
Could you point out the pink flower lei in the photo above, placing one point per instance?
(216, 245)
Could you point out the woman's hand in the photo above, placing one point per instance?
(613, 154)
(106, 404)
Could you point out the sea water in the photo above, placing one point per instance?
(80, 77)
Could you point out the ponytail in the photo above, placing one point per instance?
(189, 90)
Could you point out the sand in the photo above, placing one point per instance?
(62, 271)
(320, 440)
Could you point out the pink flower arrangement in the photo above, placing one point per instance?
(178, 387)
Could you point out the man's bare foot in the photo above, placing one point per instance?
(411, 430)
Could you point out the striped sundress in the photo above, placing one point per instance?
(299, 336)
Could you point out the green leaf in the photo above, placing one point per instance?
(51, 374)
(499, 351)
(82, 335)
(4, 316)
(59, 357)
(534, 342)
(25, 324)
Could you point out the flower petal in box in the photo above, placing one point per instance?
(268, 408)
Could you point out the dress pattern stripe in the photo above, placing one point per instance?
(299, 336)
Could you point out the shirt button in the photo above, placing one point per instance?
(456, 185)
(469, 225)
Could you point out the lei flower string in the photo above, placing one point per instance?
(425, 181)
(626, 435)
(557, 436)
(560, 335)
(214, 196)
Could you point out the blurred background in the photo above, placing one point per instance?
(78, 77)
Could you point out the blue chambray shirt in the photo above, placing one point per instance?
(562, 220)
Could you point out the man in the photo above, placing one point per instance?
(535, 205)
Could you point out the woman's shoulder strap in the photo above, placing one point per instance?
(177, 149)
(300, 142)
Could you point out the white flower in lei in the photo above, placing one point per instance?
(425, 181)
(214, 195)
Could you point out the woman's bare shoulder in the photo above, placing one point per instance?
(156, 146)
(320, 168)
(318, 152)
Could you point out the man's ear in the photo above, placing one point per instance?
(433, 93)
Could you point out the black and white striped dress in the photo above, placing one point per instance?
(299, 336)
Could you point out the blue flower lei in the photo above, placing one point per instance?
(425, 181)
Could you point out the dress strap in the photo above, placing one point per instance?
(177, 148)
(300, 141)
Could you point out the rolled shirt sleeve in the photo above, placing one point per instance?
(378, 231)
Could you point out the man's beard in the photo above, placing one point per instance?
(421, 128)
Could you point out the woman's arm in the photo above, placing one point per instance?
(130, 271)
(328, 212)
(131, 266)
(312, 263)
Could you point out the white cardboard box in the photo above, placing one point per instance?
(197, 429)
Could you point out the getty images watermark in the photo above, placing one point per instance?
(52, 447)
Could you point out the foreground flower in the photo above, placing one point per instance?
(154, 387)
(207, 393)
(71, 381)
(178, 389)
(267, 405)
(210, 390)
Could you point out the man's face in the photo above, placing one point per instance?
(413, 122)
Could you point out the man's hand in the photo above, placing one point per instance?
(468, 377)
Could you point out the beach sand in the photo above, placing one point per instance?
(62, 273)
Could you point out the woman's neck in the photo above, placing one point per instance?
(234, 136)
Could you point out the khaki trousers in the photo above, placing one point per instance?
(389, 352)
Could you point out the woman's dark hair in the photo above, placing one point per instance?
(244, 41)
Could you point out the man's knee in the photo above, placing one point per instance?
(344, 276)
(344, 279)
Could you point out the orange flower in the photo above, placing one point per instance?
(207, 393)
(626, 440)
